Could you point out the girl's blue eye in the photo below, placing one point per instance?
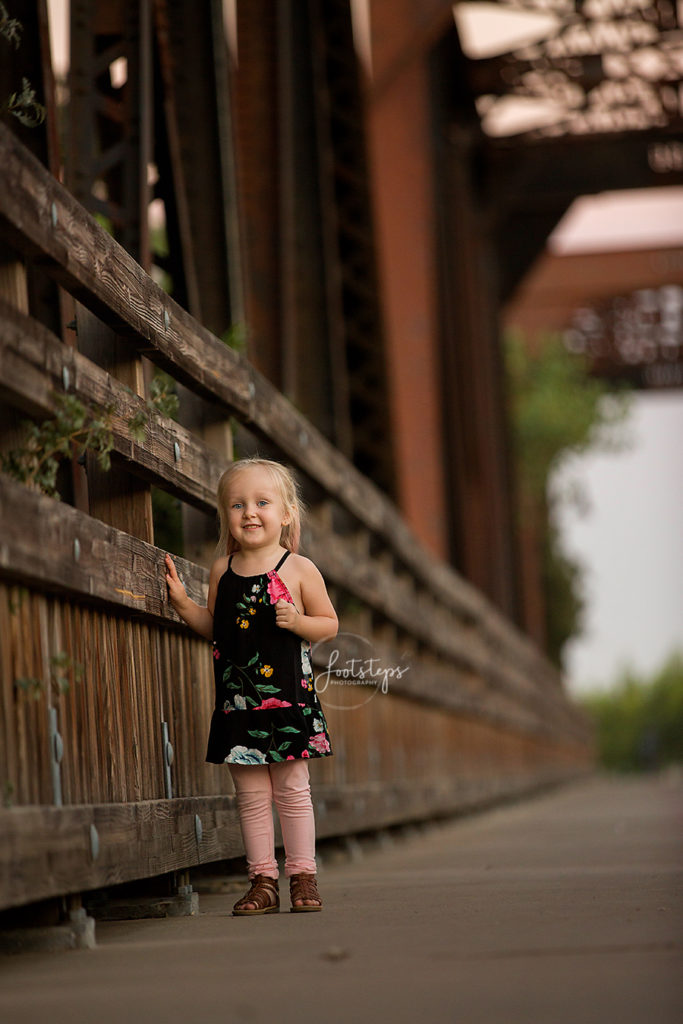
(262, 502)
(238, 504)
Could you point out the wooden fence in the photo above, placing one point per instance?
(105, 781)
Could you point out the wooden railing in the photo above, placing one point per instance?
(91, 793)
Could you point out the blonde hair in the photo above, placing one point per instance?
(288, 492)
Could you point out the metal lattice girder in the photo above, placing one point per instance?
(530, 183)
(194, 156)
(636, 337)
(312, 299)
(350, 242)
(111, 114)
(27, 60)
(260, 168)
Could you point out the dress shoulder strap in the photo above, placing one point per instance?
(230, 562)
(286, 555)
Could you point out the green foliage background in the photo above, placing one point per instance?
(557, 407)
(639, 722)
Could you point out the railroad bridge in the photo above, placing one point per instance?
(301, 219)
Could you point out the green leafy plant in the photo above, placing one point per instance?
(22, 104)
(639, 721)
(16, 602)
(73, 427)
(104, 222)
(62, 666)
(235, 337)
(556, 408)
(162, 400)
(10, 28)
(30, 685)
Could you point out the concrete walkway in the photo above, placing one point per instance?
(565, 908)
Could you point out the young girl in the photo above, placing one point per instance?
(266, 604)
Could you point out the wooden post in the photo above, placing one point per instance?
(200, 533)
(14, 290)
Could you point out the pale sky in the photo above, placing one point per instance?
(631, 541)
(631, 544)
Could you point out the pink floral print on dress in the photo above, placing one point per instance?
(277, 591)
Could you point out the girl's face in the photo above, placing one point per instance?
(256, 513)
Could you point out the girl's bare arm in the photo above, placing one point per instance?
(198, 618)
(319, 621)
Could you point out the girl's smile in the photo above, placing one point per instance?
(255, 510)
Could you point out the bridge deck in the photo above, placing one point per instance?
(567, 907)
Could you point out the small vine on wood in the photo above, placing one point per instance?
(22, 104)
(72, 429)
(162, 401)
(10, 28)
(75, 430)
(62, 666)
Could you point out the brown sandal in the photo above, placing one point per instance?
(304, 887)
(260, 893)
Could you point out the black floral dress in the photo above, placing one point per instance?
(267, 709)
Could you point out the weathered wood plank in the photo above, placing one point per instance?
(118, 569)
(85, 558)
(34, 366)
(47, 851)
(44, 221)
(365, 579)
(41, 219)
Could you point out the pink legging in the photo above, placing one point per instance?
(288, 784)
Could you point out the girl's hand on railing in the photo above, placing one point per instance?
(200, 619)
(177, 594)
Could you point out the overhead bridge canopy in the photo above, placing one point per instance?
(568, 99)
(546, 68)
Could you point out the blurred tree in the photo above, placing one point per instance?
(556, 407)
(639, 723)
